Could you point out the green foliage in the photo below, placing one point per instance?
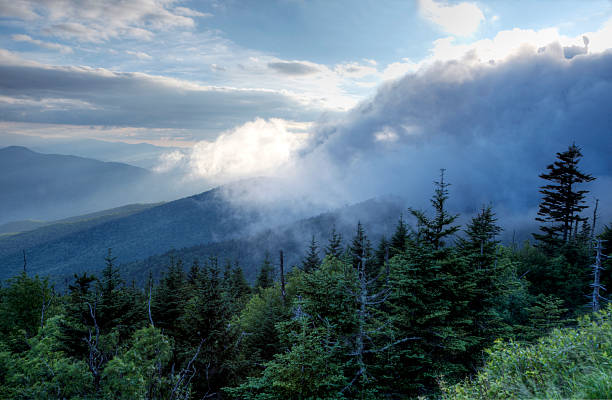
(138, 372)
(334, 246)
(434, 230)
(310, 369)
(312, 260)
(44, 371)
(265, 279)
(568, 363)
(22, 303)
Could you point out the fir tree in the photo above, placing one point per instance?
(481, 235)
(265, 279)
(562, 202)
(334, 246)
(434, 230)
(398, 240)
(312, 260)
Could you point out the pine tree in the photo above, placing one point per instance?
(265, 279)
(434, 230)
(398, 240)
(562, 202)
(312, 260)
(334, 246)
(481, 240)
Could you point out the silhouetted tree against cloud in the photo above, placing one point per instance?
(562, 202)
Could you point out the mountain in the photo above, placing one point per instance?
(226, 221)
(51, 186)
(378, 216)
(142, 155)
(220, 214)
(37, 232)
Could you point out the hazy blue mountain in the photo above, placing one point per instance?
(213, 221)
(378, 216)
(51, 186)
(207, 217)
(142, 155)
(47, 230)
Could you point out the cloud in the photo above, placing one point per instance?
(494, 126)
(139, 54)
(101, 21)
(137, 99)
(461, 19)
(252, 149)
(188, 12)
(47, 45)
(293, 67)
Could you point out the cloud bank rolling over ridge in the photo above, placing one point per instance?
(493, 125)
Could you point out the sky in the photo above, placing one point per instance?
(389, 91)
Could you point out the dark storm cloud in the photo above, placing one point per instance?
(494, 127)
(293, 68)
(77, 95)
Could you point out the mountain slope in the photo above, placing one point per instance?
(15, 227)
(50, 186)
(207, 217)
(378, 216)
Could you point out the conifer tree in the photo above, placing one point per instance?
(434, 230)
(312, 260)
(398, 241)
(265, 279)
(334, 246)
(562, 202)
(481, 239)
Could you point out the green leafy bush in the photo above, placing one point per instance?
(567, 363)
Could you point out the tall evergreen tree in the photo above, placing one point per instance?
(481, 235)
(398, 240)
(434, 230)
(265, 279)
(562, 202)
(312, 260)
(334, 246)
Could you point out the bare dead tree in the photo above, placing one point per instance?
(96, 357)
(282, 275)
(594, 219)
(186, 373)
(364, 341)
(596, 285)
(45, 305)
(25, 263)
(149, 302)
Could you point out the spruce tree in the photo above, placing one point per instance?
(562, 202)
(312, 260)
(398, 240)
(481, 239)
(265, 279)
(434, 230)
(334, 246)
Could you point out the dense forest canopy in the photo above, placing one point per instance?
(436, 310)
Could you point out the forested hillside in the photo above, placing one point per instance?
(432, 310)
(60, 250)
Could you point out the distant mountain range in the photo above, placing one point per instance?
(52, 186)
(207, 224)
(142, 155)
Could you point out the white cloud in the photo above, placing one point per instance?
(139, 54)
(188, 12)
(47, 45)
(255, 148)
(99, 21)
(461, 19)
(355, 70)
